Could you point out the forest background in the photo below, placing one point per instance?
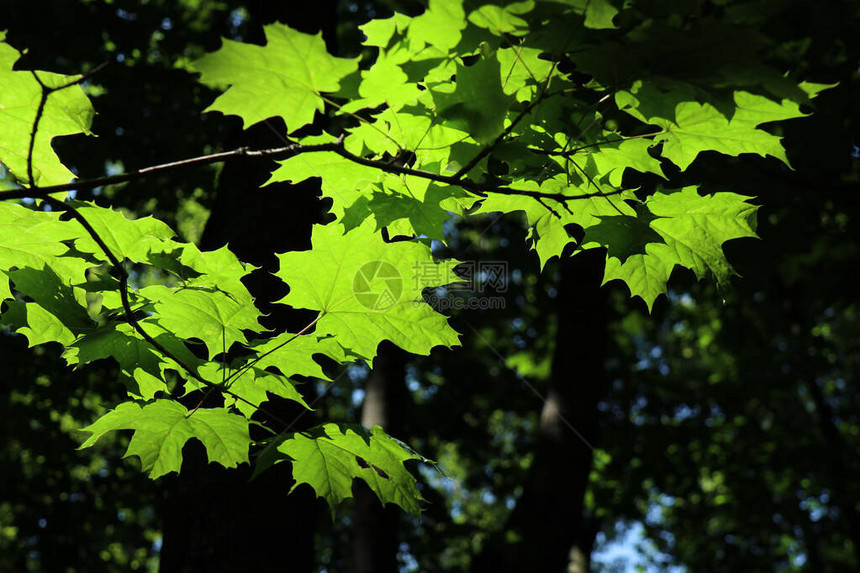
(721, 429)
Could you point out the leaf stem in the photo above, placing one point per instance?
(507, 131)
(251, 363)
(40, 110)
(573, 151)
(73, 212)
(591, 180)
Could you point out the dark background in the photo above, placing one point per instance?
(726, 425)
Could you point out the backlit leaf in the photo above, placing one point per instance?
(67, 112)
(161, 429)
(330, 457)
(293, 70)
(368, 290)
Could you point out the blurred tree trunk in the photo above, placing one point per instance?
(215, 519)
(374, 528)
(838, 457)
(547, 530)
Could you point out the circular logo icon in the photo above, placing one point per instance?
(377, 285)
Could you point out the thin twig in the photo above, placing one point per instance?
(591, 180)
(550, 209)
(80, 79)
(575, 150)
(73, 212)
(363, 120)
(203, 399)
(130, 318)
(526, 110)
(501, 137)
(474, 187)
(276, 153)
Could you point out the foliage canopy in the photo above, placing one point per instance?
(535, 107)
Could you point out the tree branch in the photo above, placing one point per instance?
(287, 151)
(489, 148)
(55, 203)
(129, 317)
(275, 153)
(479, 189)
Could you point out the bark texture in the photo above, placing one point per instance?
(546, 530)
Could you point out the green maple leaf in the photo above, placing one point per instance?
(410, 129)
(546, 230)
(38, 240)
(599, 14)
(131, 239)
(410, 210)
(142, 366)
(523, 72)
(161, 429)
(205, 314)
(368, 290)
(254, 386)
(478, 103)
(612, 159)
(380, 31)
(329, 458)
(343, 181)
(695, 227)
(404, 65)
(219, 269)
(249, 389)
(285, 78)
(402, 68)
(38, 324)
(503, 20)
(293, 354)
(440, 25)
(409, 206)
(548, 233)
(691, 127)
(385, 82)
(58, 312)
(67, 112)
(692, 230)
(623, 235)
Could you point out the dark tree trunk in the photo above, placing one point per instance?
(374, 531)
(547, 531)
(215, 519)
